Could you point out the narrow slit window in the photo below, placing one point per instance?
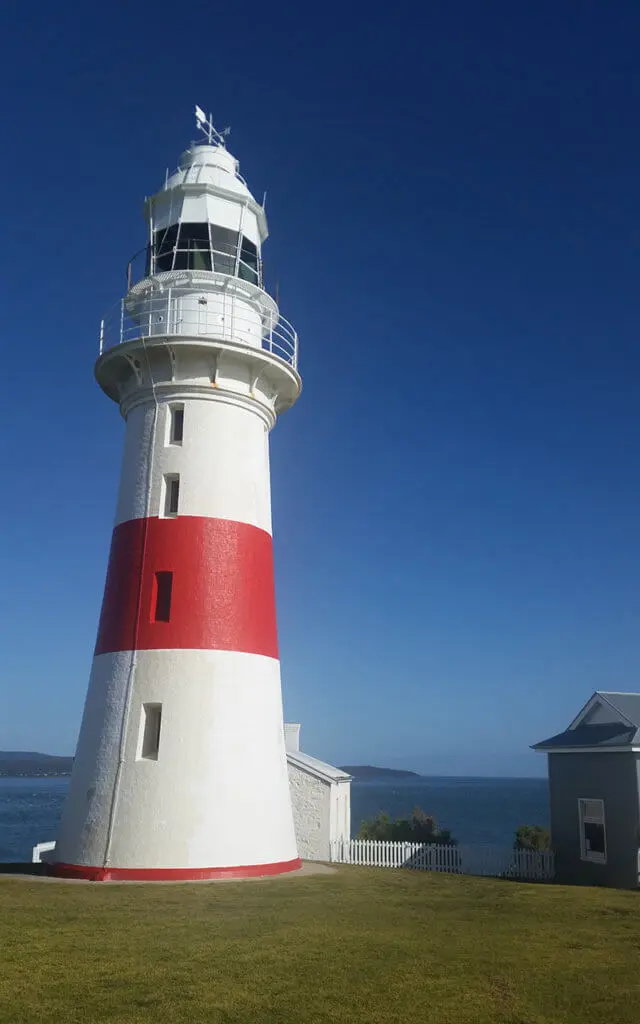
(150, 738)
(163, 586)
(171, 494)
(177, 424)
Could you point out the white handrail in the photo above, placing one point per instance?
(139, 317)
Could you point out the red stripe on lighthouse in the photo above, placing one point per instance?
(221, 594)
(94, 874)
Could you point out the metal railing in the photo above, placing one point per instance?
(214, 316)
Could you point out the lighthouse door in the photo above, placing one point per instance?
(203, 315)
(174, 314)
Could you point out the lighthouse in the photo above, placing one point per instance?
(180, 769)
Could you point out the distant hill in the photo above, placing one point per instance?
(29, 762)
(369, 771)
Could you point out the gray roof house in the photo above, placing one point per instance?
(594, 792)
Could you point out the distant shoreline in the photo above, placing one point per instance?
(28, 764)
(34, 775)
(369, 771)
(32, 765)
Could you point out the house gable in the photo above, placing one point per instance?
(600, 710)
(604, 723)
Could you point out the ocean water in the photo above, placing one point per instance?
(29, 813)
(476, 810)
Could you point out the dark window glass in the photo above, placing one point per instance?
(165, 241)
(224, 264)
(199, 259)
(162, 602)
(594, 835)
(247, 273)
(177, 425)
(203, 246)
(196, 234)
(151, 734)
(224, 240)
(172, 495)
(249, 247)
(248, 269)
(224, 244)
(181, 260)
(193, 247)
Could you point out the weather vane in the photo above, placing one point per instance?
(205, 125)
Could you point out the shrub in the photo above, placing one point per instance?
(419, 828)
(532, 837)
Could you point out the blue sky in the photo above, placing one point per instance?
(455, 216)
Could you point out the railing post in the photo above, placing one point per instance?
(121, 320)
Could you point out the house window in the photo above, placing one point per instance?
(176, 424)
(161, 603)
(171, 494)
(150, 731)
(593, 839)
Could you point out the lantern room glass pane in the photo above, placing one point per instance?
(165, 242)
(248, 269)
(193, 250)
(224, 246)
(204, 246)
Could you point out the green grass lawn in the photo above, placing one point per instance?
(361, 945)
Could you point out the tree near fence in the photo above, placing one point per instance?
(532, 837)
(419, 828)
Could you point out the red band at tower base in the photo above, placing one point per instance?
(106, 874)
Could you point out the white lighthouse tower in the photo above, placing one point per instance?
(180, 770)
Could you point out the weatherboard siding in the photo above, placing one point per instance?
(613, 778)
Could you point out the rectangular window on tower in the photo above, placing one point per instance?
(176, 424)
(149, 741)
(171, 494)
(161, 600)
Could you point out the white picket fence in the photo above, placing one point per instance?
(495, 861)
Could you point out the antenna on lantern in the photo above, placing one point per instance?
(204, 124)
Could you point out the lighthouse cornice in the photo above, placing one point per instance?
(206, 367)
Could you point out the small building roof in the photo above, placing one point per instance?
(607, 721)
(320, 769)
(311, 765)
